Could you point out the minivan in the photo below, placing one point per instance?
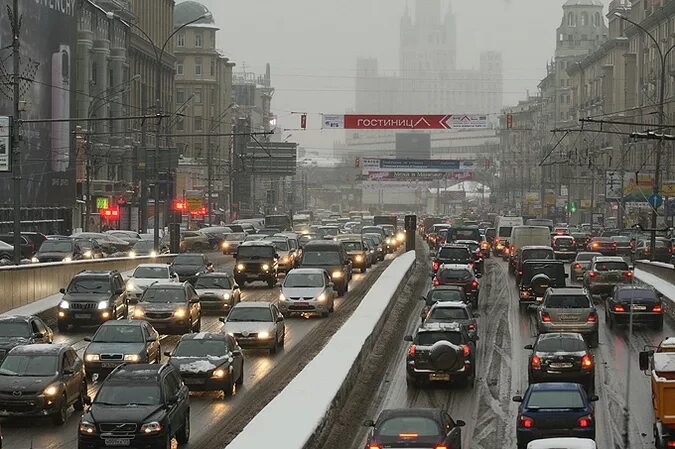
(332, 257)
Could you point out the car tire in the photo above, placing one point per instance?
(229, 389)
(274, 347)
(166, 444)
(183, 435)
(59, 418)
(79, 404)
(240, 381)
(332, 307)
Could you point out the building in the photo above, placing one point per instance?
(203, 99)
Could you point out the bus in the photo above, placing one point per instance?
(281, 222)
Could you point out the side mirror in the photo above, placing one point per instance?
(517, 399)
(152, 338)
(87, 338)
(645, 357)
(423, 298)
(87, 400)
(460, 423)
(331, 285)
(530, 347)
(119, 291)
(276, 255)
(235, 287)
(408, 338)
(68, 371)
(62, 291)
(236, 352)
(39, 335)
(594, 398)
(222, 319)
(235, 253)
(567, 275)
(167, 353)
(194, 300)
(479, 275)
(369, 423)
(280, 319)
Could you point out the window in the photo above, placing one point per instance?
(212, 95)
(596, 19)
(179, 67)
(199, 40)
(180, 124)
(198, 67)
(180, 40)
(180, 96)
(571, 20)
(198, 150)
(213, 67)
(198, 124)
(198, 95)
(584, 19)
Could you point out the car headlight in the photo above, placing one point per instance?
(322, 297)
(132, 254)
(102, 305)
(241, 267)
(180, 313)
(263, 335)
(138, 312)
(151, 427)
(226, 296)
(336, 274)
(92, 357)
(132, 358)
(87, 427)
(35, 260)
(265, 267)
(67, 259)
(286, 259)
(219, 373)
(226, 245)
(131, 285)
(88, 254)
(388, 241)
(153, 253)
(64, 305)
(359, 258)
(51, 390)
(282, 297)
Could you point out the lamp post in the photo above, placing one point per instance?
(661, 114)
(159, 53)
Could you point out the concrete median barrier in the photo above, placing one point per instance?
(25, 284)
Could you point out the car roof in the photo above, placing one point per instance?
(609, 259)
(152, 265)
(569, 291)
(453, 245)
(566, 442)
(562, 237)
(205, 336)
(167, 284)
(455, 266)
(307, 271)
(215, 274)
(257, 243)
(433, 413)
(450, 305)
(447, 287)
(123, 323)
(536, 247)
(466, 242)
(96, 273)
(555, 386)
(135, 372)
(594, 253)
(440, 327)
(42, 348)
(323, 243)
(15, 318)
(554, 335)
(253, 305)
(547, 261)
(645, 287)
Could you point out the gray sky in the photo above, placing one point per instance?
(312, 46)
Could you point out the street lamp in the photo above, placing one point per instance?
(659, 150)
(159, 53)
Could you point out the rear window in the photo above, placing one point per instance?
(584, 257)
(454, 253)
(465, 234)
(611, 266)
(444, 295)
(422, 426)
(462, 275)
(555, 399)
(564, 242)
(505, 231)
(640, 295)
(448, 314)
(568, 302)
(429, 338)
(538, 254)
(561, 345)
(621, 239)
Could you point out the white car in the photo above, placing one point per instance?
(145, 275)
(256, 325)
(307, 290)
(562, 443)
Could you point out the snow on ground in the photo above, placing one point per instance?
(664, 287)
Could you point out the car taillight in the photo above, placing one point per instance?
(526, 422)
(585, 421)
(520, 273)
(657, 308)
(535, 362)
(412, 350)
(435, 265)
(467, 350)
(545, 317)
(577, 266)
(436, 282)
(574, 242)
(628, 274)
(614, 245)
(374, 446)
(441, 447)
(593, 274)
(408, 436)
(474, 284)
(619, 308)
(472, 326)
(586, 362)
(479, 254)
(670, 444)
(592, 318)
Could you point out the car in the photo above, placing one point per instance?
(189, 266)
(90, 248)
(27, 249)
(307, 290)
(356, 250)
(171, 308)
(92, 298)
(328, 232)
(215, 236)
(605, 272)
(109, 243)
(217, 292)
(582, 239)
(561, 357)
(16, 330)
(476, 253)
(663, 250)
(254, 237)
(461, 275)
(120, 342)
(643, 301)
(530, 253)
(567, 443)
(440, 352)
(454, 312)
(380, 247)
(143, 405)
(370, 247)
(581, 264)
(564, 247)
(256, 261)
(6, 253)
(145, 275)
(538, 276)
(440, 294)
(414, 427)
(128, 236)
(209, 361)
(451, 254)
(604, 245)
(194, 241)
(554, 409)
(307, 237)
(569, 309)
(486, 247)
(232, 242)
(285, 255)
(146, 248)
(624, 245)
(331, 256)
(560, 230)
(58, 251)
(42, 380)
(256, 325)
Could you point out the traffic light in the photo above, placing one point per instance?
(572, 207)
(303, 121)
(110, 213)
(179, 205)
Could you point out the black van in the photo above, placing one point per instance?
(256, 261)
(332, 257)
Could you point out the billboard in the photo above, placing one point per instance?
(428, 165)
(636, 187)
(271, 158)
(48, 59)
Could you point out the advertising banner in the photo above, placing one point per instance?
(48, 42)
(5, 144)
(418, 176)
(412, 122)
(418, 165)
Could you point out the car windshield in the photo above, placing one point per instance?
(420, 425)
(201, 348)
(118, 334)
(611, 266)
(448, 314)
(280, 245)
(445, 295)
(321, 258)
(567, 302)
(89, 285)
(538, 254)
(256, 252)
(505, 231)
(159, 294)
(429, 338)
(555, 400)
(144, 245)
(128, 394)
(188, 260)
(454, 254)
(221, 282)
(15, 329)
(33, 365)
(304, 280)
(56, 246)
(353, 246)
(260, 314)
(564, 242)
(562, 344)
(587, 257)
(461, 275)
(236, 237)
(85, 244)
(151, 273)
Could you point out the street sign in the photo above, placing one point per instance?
(655, 201)
(102, 202)
(415, 122)
(5, 144)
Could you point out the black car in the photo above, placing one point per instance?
(42, 380)
(461, 275)
(441, 352)
(440, 294)
(451, 254)
(332, 257)
(415, 427)
(92, 298)
(209, 361)
(170, 308)
(18, 330)
(90, 248)
(647, 306)
(217, 292)
(58, 251)
(141, 405)
(27, 247)
(121, 342)
(477, 260)
(454, 312)
(538, 276)
(561, 357)
(256, 261)
(189, 266)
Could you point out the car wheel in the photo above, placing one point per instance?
(332, 308)
(274, 347)
(183, 436)
(229, 389)
(198, 325)
(240, 381)
(60, 417)
(166, 444)
(79, 404)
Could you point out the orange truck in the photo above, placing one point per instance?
(660, 366)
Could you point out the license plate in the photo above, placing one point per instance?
(117, 442)
(560, 365)
(435, 376)
(109, 365)
(640, 308)
(568, 318)
(189, 381)
(82, 316)
(540, 298)
(304, 304)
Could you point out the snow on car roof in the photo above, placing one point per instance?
(664, 362)
(562, 443)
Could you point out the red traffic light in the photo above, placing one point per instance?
(179, 205)
(201, 212)
(110, 213)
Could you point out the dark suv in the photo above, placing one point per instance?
(538, 276)
(170, 308)
(141, 405)
(91, 298)
(22, 330)
(332, 257)
(256, 261)
(452, 254)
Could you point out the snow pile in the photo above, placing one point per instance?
(198, 366)
(664, 362)
(662, 286)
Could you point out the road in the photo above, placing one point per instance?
(502, 373)
(209, 411)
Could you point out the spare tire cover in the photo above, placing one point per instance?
(540, 283)
(445, 356)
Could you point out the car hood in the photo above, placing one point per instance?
(143, 282)
(213, 291)
(54, 254)
(302, 292)
(115, 348)
(198, 365)
(160, 306)
(93, 297)
(25, 383)
(123, 413)
(187, 269)
(247, 326)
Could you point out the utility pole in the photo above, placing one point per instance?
(143, 205)
(87, 203)
(209, 180)
(16, 139)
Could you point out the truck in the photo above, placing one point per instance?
(282, 222)
(526, 236)
(659, 364)
(504, 225)
(386, 220)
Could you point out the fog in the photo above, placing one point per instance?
(312, 46)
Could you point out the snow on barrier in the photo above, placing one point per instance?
(297, 415)
(659, 275)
